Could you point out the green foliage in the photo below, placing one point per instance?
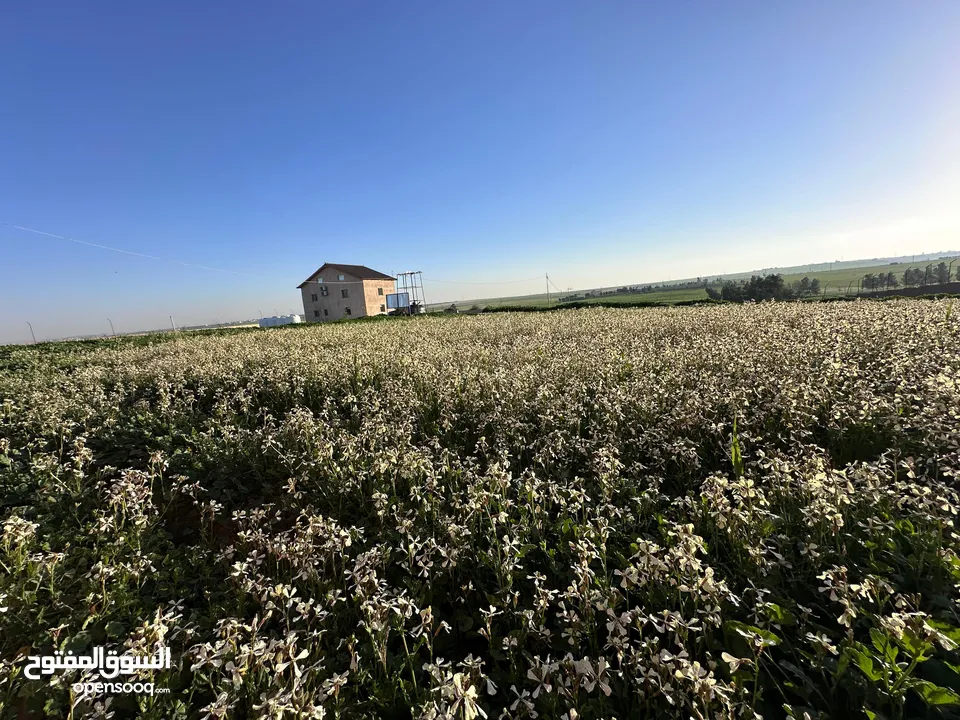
(936, 695)
(736, 456)
(767, 287)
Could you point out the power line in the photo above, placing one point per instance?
(118, 250)
(492, 282)
(154, 257)
(235, 272)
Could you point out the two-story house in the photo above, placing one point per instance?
(337, 291)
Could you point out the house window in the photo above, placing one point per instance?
(313, 297)
(340, 277)
(344, 293)
(325, 313)
(316, 313)
(320, 281)
(383, 308)
(347, 311)
(379, 291)
(324, 290)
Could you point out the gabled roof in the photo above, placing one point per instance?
(358, 271)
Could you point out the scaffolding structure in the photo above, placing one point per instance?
(411, 284)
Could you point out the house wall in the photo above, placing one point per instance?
(362, 297)
(373, 299)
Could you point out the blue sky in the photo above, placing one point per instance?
(481, 143)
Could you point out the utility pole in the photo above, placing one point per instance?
(173, 324)
(548, 287)
(31, 332)
(112, 331)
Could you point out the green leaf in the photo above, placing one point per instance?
(765, 634)
(779, 615)
(78, 643)
(842, 664)
(736, 456)
(864, 661)
(114, 629)
(805, 685)
(936, 695)
(947, 629)
(954, 566)
(884, 646)
(464, 622)
(915, 646)
(524, 549)
(906, 527)
(870, 714)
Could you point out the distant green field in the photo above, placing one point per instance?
(525, 300)
(832, 282)
(661, 296)
(836, 282)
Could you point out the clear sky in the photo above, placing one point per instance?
(480, 142)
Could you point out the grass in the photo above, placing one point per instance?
(660, 296)
(668, 297)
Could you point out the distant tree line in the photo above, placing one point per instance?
(930, 275)
(765, 287)
(939, 274)
(773, 287)
(880, 281)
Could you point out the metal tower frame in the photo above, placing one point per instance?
(412, 282)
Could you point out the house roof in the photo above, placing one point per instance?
(358, 271)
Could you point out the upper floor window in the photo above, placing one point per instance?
(379, 291)
(324, 290)
(313, 297)
(320, 280)
(340, 277)
(344, 293)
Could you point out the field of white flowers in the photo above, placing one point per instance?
(727, 511)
